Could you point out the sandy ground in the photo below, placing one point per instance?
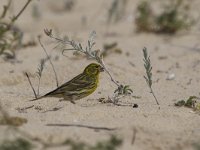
(167, 128)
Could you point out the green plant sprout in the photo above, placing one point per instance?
(95, 55)
(191, 102)
(120, 92)
(148, 68)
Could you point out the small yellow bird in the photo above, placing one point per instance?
(79, 87)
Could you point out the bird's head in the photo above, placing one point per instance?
(93, 69)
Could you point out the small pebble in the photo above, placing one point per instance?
(170, 76)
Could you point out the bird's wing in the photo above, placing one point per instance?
(77, 84)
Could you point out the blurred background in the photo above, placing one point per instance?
(111, 19)
(170, 30)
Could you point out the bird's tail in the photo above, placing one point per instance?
(46, 95)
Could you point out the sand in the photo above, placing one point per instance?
(167, 128)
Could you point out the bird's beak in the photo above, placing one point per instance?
(101, 69)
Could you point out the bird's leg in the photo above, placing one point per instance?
(73, 102)
(60, 100)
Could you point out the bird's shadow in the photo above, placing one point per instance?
(107, 103)
(53, 109)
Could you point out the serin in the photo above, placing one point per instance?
(79, 87)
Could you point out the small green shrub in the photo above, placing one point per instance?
(112, 144)
(10, 35)
(22, 144)
(191, 102)
(173, 17)
(18, 144)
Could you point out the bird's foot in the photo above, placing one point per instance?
(73, 102)
(60, 100)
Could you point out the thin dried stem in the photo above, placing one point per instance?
(134, 136)
(38, 90)
(48, 57)
(154, 96)
(21, 11)
(5, 115)
(92, 54)
(105, 68)
(5, 9)
(39, 72)
(31, 84)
